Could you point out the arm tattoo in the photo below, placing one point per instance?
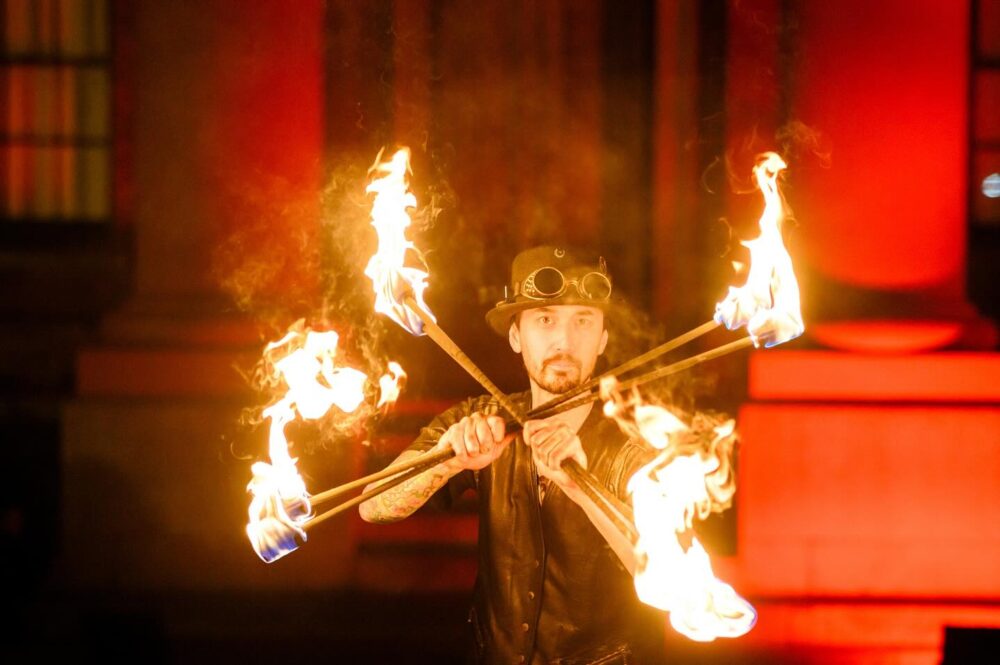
(404, 499)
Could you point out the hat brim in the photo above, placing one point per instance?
(500, 317)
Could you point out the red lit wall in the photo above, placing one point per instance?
(870, 500)
(868, 474)
(865, 503)
(882, 195)
(227, 147)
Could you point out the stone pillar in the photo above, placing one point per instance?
(226, 144)
(880, 185)
(864, 466)
(675, 168)
(226, 139)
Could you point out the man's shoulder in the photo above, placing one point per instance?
(601, 427)
(601, 433)
(488, 404)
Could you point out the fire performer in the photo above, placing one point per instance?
(554, 582)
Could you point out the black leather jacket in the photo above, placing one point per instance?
(549, 589)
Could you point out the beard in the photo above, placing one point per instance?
(559, 381)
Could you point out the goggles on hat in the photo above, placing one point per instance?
(548, 282)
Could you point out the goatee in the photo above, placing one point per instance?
(557, 382)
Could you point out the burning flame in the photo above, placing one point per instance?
(304, 361)
(391, 384)
(391, 278)
(691, 477)
(768, 304)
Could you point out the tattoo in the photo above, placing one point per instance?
(404, 499)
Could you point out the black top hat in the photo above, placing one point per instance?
(575, 265)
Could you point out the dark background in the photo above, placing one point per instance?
(238, 142)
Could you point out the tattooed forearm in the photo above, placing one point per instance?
(404, 499)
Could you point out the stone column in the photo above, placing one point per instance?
(879, 172)
(862, 468)
(675, 170)
(226, 139)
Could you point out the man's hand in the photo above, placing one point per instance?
(552, 442)
(477, 440)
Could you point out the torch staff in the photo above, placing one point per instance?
(413, 471)
(618, 512)
(430, 459)
(441, 338)
(658, 373)
(687, 363)
(627, 366)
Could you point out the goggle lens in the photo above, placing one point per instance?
(596, 286)
(549, 282)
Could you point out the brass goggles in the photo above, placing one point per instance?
(548, 282)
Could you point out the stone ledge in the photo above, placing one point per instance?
(868, 500)
(851, 377)
(161, 372)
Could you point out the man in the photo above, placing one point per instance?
(554, 582)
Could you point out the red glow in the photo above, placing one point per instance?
(447, 561)
(858, 631)
(830, 375)
(873, 336)
(160, 373)
(892, 107)
(869, 501)
(264, 121)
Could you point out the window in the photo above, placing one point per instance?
(986, 116)
(55, 136)
(984, 176)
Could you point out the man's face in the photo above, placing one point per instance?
(559, 344)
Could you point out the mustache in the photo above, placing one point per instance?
(561, 357)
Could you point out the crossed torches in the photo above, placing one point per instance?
(767, 304)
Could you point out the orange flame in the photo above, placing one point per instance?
(305, 362)
(768, 304)
(391, 278)
(690, 478)
(391, 384)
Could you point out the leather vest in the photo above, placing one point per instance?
(549, 589)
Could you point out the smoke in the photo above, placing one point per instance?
(267, 261)
(297, 265)
(801, 144)
(632, 332)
